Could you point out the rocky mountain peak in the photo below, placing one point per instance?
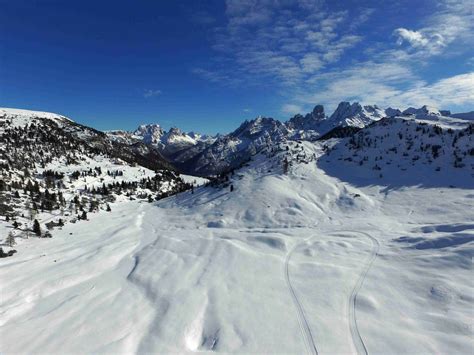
(423, 112)
(392, 112)
(310, 121)
(150, 133)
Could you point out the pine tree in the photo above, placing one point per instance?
(37, 228)
(84, 215)
(10, 239)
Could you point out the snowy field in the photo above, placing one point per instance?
(293, 263)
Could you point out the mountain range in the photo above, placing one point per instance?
(206, 155)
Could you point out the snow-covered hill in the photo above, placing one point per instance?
(54, 170)
(405, 151)
(290, 253)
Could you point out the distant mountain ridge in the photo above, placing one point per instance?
(231, 150)
(204, 155)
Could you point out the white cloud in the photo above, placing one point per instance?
(416, 39)
(281, 41)
(456, 90)
(452, 23)
(311, 63)
(217, 76)
(291, 109)
(363, 17)
(151, 93)
(389, 84)
(297, 46)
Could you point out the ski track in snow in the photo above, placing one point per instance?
(301, 315)
(302, 319)
(356, 337)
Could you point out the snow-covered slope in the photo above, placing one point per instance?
(354, 115)
(404, 152)
(230, 151)
(55, 170)
(310, 260)
(423, 112)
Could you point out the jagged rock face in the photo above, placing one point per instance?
(346, 109)
(310, 121)
(150, 133)
(175, 145)
(423, 112)
(233, 149)
(259, 126)
(318, 112)
(392, 112)
(355, 115)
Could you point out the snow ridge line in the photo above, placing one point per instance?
(356, 337)
(302, 320)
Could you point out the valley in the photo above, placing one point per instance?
(298, 249)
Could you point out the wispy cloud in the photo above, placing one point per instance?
(416, 39)
(452, 91)
(291, 109)
(280, 41)
(151, 93)
(307, 53)
(452, 22)
(389, 84)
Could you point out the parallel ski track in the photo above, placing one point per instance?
(302, 318)
(354, 328)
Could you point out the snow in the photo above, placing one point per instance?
(288, 263)
(22, 117)
(195, 180)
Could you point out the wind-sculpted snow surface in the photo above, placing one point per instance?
(293, 256)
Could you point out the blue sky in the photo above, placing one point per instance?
(208, 65)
